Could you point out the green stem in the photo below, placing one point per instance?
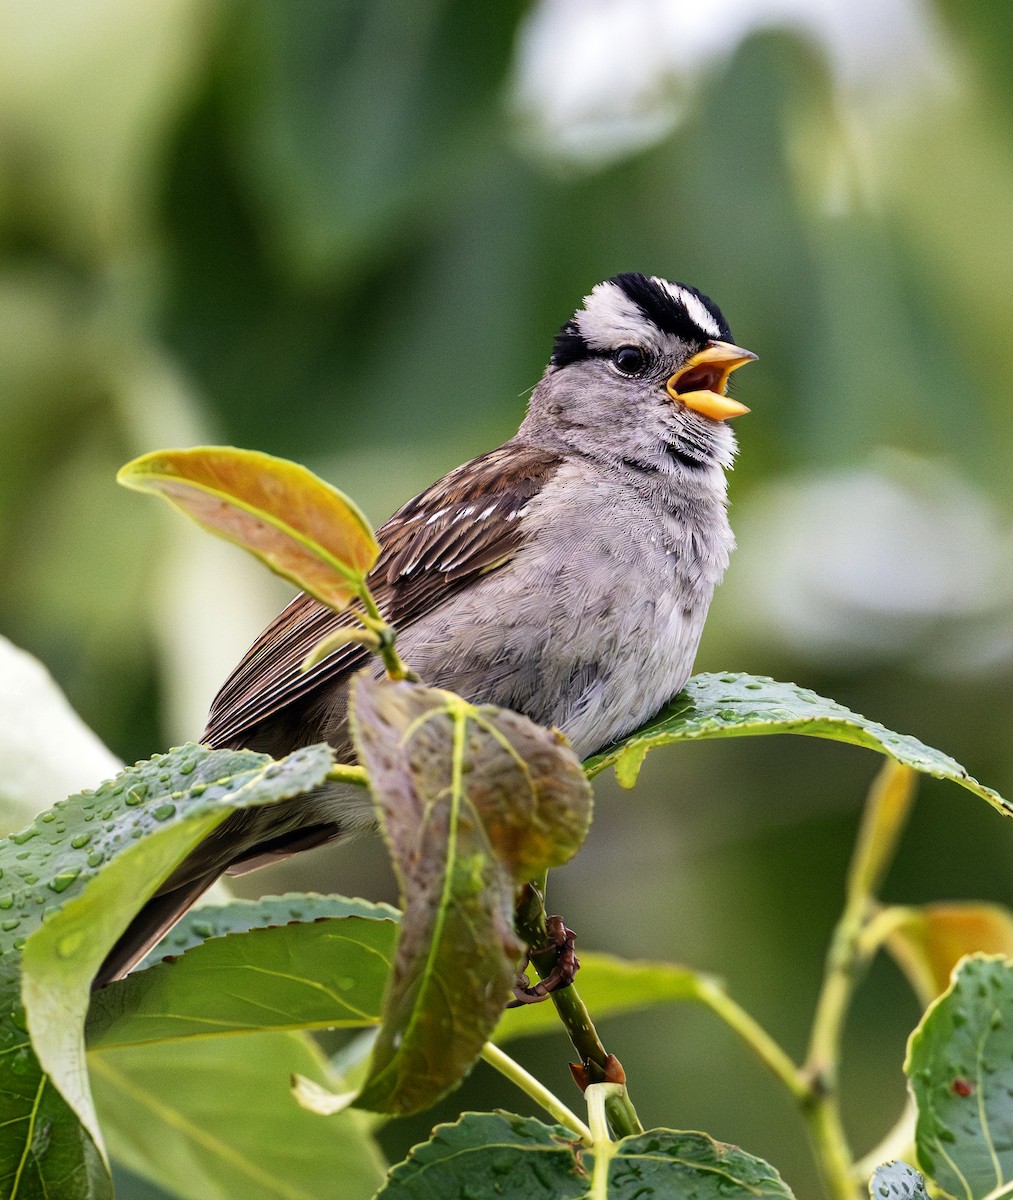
(821, 1116)
(373, 619)
(346, 773)
(879, 927)
(599, 1097)
(756, 1037)
(835, 1158)
(886, 810)
(597, 1063)
(541, 1095)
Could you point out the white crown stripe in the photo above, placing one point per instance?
(609, 317)
(693, 305)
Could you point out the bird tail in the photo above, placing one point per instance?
(149, 926)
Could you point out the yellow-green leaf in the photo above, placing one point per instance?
(294, 522)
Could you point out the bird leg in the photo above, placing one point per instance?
(561, 942)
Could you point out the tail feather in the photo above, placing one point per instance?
(148, 928)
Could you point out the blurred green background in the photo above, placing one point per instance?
(346, 233)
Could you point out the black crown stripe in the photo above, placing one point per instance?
(657, 304)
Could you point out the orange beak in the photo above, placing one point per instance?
(700, 383)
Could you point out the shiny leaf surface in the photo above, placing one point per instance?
(74, 879)
(521, 1159)
(960, 1068)
(736, 705)
(897, 1181)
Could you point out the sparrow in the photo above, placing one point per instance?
(566, 574)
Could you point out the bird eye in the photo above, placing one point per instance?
(629, 360)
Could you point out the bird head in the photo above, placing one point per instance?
(640, 373)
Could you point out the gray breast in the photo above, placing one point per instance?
(596, 621)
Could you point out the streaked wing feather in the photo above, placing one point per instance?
(460, 528)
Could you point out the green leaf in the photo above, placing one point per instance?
(215, 1119)
(518, 1158)
(238, 916)
(713, 706)
(609, 986)
(473, 800)
(490, 1154)
(326, 968)
(897, 1181)
(960, 1068)
(84, 868)
(294, 522)
(667, 1163)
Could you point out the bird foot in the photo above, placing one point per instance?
(561, 941)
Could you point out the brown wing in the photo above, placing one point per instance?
(457, 530)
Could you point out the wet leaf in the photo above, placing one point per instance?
(734, 705)
(286, 962)
(473, 801)
(490, 1154)
(238, 916)
(897, 1181)
(518, 1158)
(71, 883)
(294, 522)
(960, 1068)
(668, 1163)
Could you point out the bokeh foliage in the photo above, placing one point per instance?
(325, 231)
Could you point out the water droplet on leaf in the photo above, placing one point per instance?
(60, 883)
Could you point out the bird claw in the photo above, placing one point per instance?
(561, 940)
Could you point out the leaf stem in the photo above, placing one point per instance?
(373, 619)
(347, 773)
(595, 1062)
(755, 1036)
(834, 1155)
(887, 807)
(600, 1096)
(538, 1092)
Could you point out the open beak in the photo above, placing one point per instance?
(701, 382)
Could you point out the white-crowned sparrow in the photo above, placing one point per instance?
(566, 574)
